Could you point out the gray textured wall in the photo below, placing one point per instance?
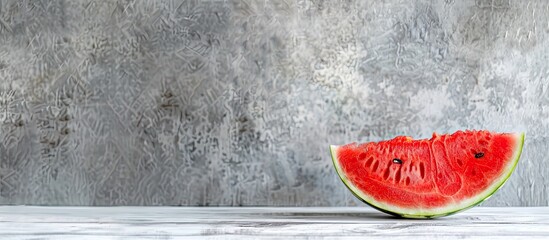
(235, 103)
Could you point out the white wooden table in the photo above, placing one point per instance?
(25, 222)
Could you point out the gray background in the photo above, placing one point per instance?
(235, 103)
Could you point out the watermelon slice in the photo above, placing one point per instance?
(428, 178)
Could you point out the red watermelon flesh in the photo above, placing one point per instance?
(429, 177)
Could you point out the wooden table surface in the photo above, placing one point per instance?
(26, 222)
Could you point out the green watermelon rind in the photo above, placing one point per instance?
(445, 211)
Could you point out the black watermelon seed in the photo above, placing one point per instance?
(479, 155)
(398, 161)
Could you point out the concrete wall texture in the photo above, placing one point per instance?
(236, 102)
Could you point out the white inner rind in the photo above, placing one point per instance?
(438, 211)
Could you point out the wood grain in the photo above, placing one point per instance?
(25, 222)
